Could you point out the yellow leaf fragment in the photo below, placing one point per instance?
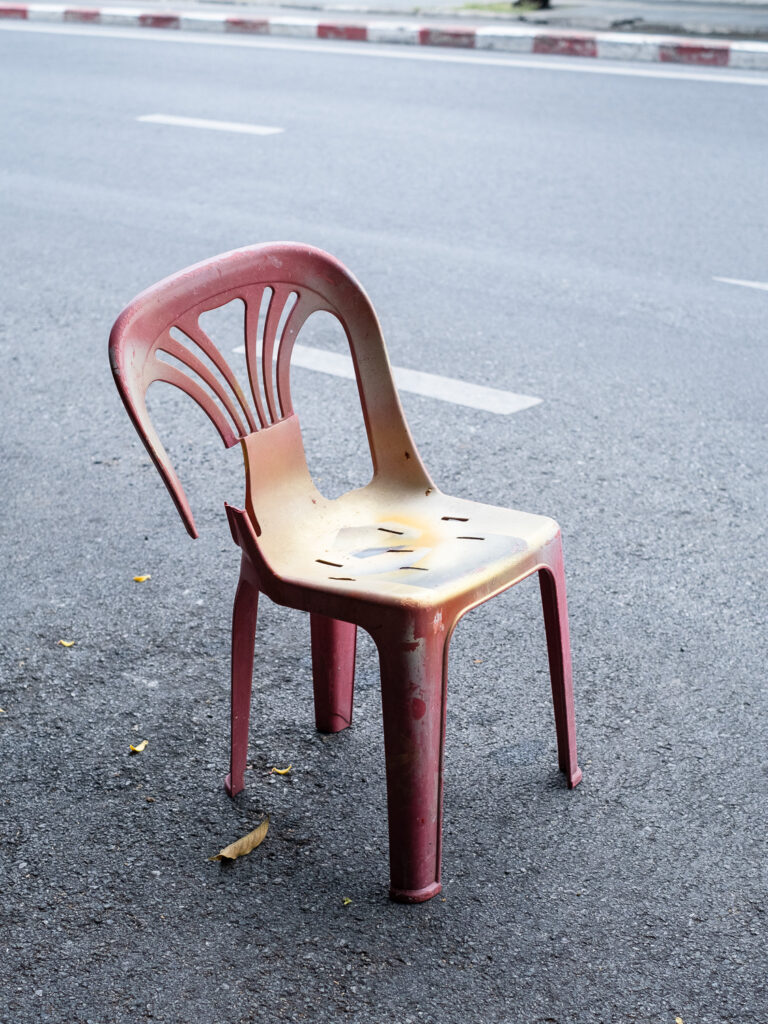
(244, 845)
(2, 711)
(67, 643)
(678, 1020)
(346, 901)
(282, 771)
(141, 579)
(139, 747)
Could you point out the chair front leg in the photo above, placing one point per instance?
(552, 584)
(243, 638)
(333, 671)
(413, 664)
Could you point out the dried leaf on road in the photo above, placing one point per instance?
(141, 579)
(139, 747)
(244, 845)
(346, 901)
(67, 643)
(282, 771)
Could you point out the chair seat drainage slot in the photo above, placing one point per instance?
(323, 561)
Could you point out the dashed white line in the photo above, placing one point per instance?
(430, 385)
(215, 126)
(762, 285)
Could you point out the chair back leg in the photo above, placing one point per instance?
(333, 671)
(552, 584)
(413, 662)
(243, 639)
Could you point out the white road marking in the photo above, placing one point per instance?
(581, 65)
(431, 385)
(216, 126)
(762, 285)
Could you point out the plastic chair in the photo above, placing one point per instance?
(397, 557)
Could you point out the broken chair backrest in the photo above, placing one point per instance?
(158, 337)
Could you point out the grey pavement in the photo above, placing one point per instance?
(535, 227)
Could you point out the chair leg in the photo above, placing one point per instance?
(552, 584)
(243, 639)
(333, 671)
(413, 677)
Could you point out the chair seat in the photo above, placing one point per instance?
(423, 549)
(389, 542)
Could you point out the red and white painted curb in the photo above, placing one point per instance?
(509, 39)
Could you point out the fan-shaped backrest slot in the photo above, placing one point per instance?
(306, 306)
(167, 370)
(223, 323)
(178, 349)
(231, 316)
(281, 304)
(257, 303)
(285, 340)
(290, 302)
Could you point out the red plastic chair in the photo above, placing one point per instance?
(397, 557)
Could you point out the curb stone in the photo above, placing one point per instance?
(746, 55)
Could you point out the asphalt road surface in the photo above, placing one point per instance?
(534, 226)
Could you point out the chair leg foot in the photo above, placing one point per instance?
(413, 703)
(552, 584)
(243, 638)
(416, 895)
(228, 786)
(333, 671)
